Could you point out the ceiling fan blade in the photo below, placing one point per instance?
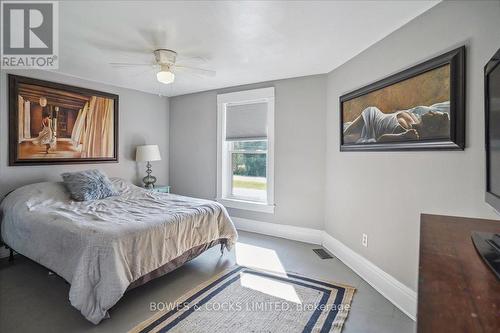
(191, 59)
(155, 38)
(129, 64)
(195, 70)
(112, 45)
(142, 72)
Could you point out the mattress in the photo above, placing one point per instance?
(101, 247)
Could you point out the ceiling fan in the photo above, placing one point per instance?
(165, 66)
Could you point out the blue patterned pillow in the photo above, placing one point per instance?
(88, 185)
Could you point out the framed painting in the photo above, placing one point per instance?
(54, 123)
(420, 108)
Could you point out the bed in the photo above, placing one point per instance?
(104, 247)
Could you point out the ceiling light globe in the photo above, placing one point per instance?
(165, 77)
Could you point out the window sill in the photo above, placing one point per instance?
(247, 205)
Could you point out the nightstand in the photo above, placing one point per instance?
(161, 188)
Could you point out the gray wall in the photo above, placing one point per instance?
(299, 145)
(143, 118)
(383, 193)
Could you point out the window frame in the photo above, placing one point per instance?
(224, 175)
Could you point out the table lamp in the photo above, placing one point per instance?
(148, 153)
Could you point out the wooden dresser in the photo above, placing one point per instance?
(457, 292)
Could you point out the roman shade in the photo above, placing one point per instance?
(246, 122)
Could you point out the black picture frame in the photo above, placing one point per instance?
(456, 60)
(14, 160)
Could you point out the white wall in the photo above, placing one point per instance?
(143, 118)
(383, 193)
(299, 144)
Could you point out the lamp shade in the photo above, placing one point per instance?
(147, 153)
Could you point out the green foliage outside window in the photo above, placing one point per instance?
(249, 164)
(253, 163)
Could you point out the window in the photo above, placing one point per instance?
(245, 167)
(248, 170)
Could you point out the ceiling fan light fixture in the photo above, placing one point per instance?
(165, 60)
(165, 76)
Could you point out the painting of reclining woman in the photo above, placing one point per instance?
(52, 123)
(418, 123)
(413, 112)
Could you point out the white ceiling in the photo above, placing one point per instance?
(245, 42)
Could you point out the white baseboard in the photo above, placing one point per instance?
(396, 292)
(399, 294)
(306, 235)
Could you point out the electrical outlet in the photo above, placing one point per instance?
(364, 241)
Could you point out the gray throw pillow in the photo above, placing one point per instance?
(88, 185)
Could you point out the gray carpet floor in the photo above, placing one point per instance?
(33, 301)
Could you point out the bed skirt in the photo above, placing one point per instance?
(162, 270)
(175, 263)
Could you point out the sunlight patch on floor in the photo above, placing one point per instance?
(264, 259)
(258, 257)
(270, 287)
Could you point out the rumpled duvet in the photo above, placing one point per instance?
(102, 246)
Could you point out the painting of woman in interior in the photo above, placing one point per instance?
(45, 137)
(60, 122)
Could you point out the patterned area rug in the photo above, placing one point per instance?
(247, 300)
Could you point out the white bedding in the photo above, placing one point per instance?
(102, 246)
